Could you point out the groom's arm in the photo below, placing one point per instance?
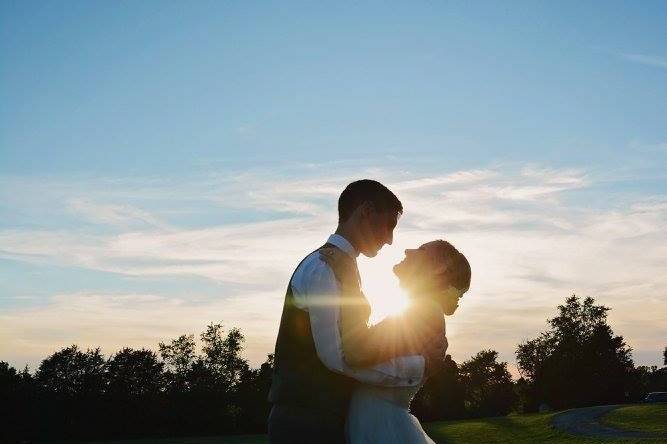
(319, 292)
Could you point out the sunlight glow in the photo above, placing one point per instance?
(381, 286)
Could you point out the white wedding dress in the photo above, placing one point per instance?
(381, 414)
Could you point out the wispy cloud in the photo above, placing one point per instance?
(116, 215)
(530, 240)
(646, 59)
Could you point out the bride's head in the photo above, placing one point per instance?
(436, 270)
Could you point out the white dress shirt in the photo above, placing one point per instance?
(316, 290)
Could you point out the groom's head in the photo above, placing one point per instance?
(367, 215)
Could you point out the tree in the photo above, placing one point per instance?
(251, 396)
(8, 379)
(489, 390)
(442, 395)
(15, 403)
(133, 398)
(664, 356)
(178, 357)
(81, 395)
(72, 373)
(217, 375)
(70, 386)
(203, 387)
(134, 374)
(578, 361)
(222, 355)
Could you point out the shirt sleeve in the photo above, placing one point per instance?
(399, 371)
(322, 294)
(321, 297)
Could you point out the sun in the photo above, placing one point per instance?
(381, 287)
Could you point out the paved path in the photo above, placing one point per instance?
(586, 422)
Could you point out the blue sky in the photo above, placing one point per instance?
(177, 160)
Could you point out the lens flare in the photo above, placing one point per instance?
(381, 286)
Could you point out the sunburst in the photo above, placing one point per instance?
(381, 286)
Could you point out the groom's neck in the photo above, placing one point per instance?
(349, 234)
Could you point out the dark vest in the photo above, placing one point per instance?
(299, 377)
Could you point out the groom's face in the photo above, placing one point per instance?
(377, 231)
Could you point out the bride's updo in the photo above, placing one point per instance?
(451, 277)
(436, 270)
(457, 268)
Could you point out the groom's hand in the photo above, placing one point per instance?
(435, 355)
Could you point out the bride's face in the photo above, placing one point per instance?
(420, 265)
(423, 271)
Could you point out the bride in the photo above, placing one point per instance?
(435, 276)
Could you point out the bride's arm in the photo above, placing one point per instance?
(409, 334)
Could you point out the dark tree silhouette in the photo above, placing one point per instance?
(9, 381)
(664, 356)
(222, 355)
(489, 389)
(214, 379)
(16, 398)
(442, 396)
(134, 374)
(578, 361)
(251, 396)
(72, 373)
(134, 388)
(71, 384)
(645, 380)
(81, 395)
(179, 357)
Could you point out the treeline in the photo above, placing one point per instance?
(578, 361)
(77, 394)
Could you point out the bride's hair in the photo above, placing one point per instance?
(458, 268)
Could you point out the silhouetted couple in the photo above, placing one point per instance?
(336, 378)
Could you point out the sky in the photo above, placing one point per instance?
(166, 165)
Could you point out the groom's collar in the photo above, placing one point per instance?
(342, 243)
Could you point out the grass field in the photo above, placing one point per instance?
(645, 418)
(513, 429)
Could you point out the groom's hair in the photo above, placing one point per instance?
(458, 268)
(367, 190)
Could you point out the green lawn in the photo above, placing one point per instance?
(513, 429)
(646, 418)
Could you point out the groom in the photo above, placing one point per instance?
(324, 333)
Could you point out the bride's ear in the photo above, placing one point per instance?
(440, 267)
(440, 264)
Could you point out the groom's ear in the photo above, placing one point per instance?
(366, 208)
